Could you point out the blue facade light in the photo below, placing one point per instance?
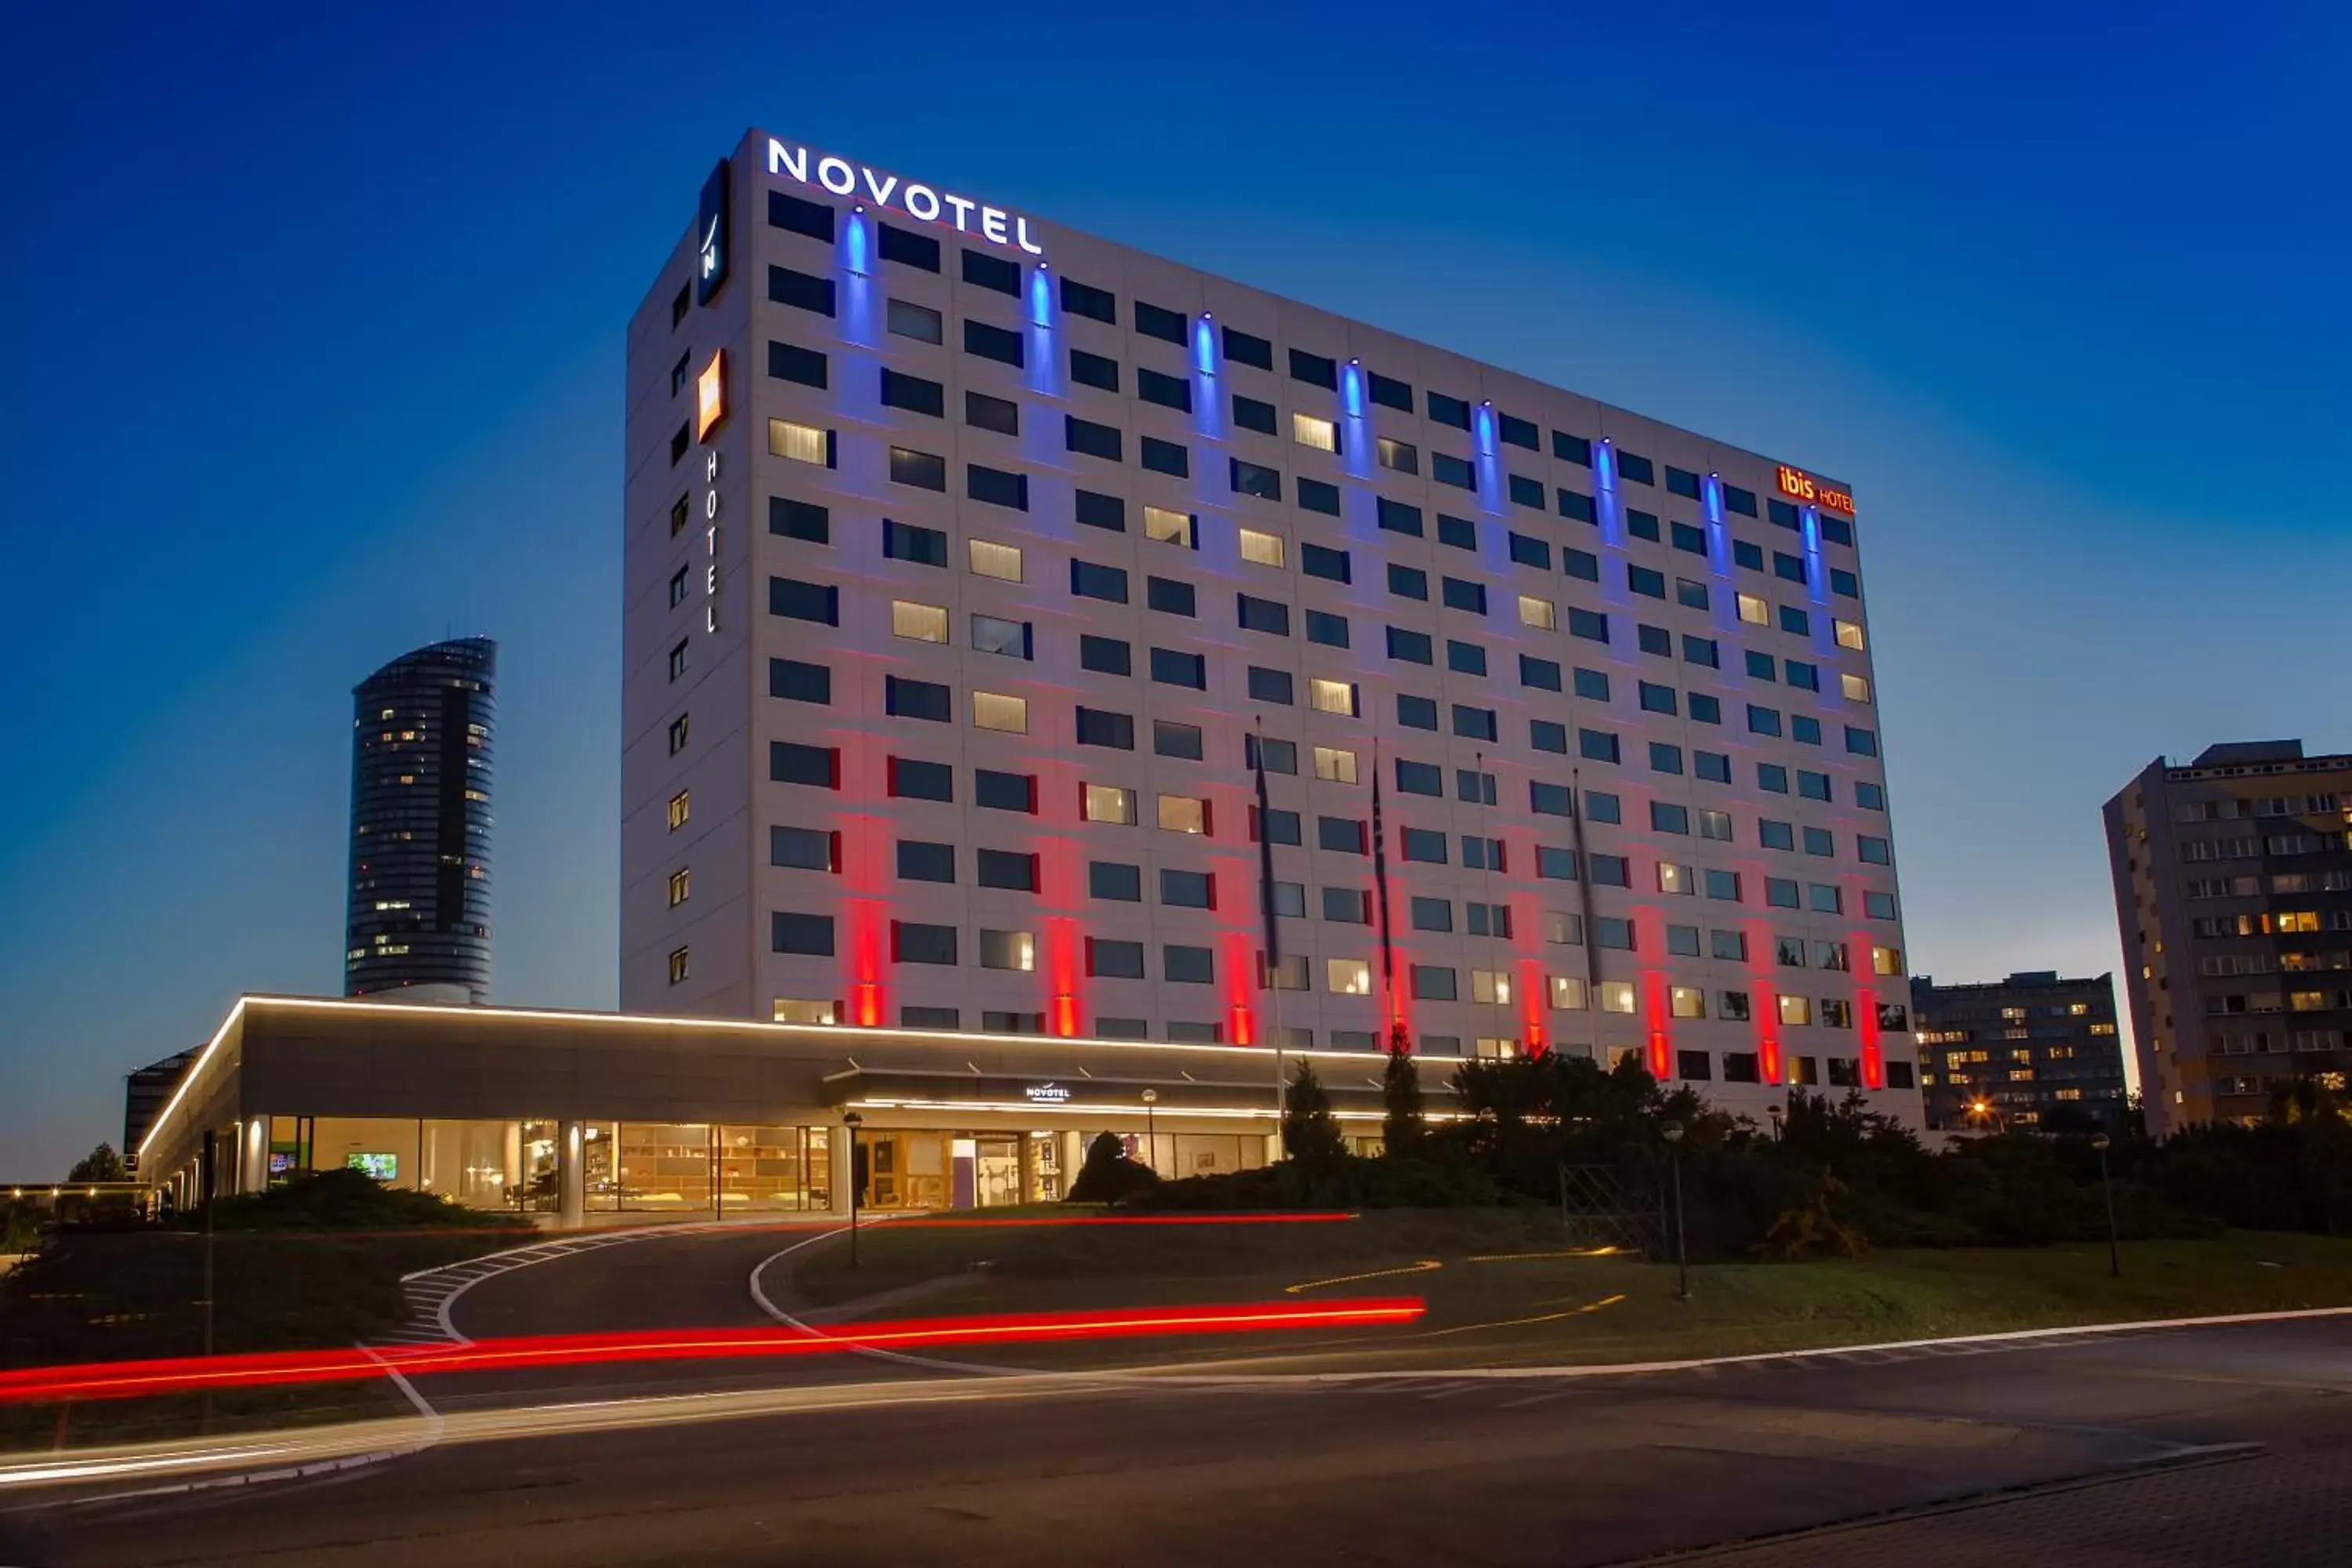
(1205, 345)
(1718, 548)
(856, 244)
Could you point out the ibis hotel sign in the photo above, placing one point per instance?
(924, 204)
(1804, 489)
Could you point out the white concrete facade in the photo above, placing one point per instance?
(1511, 570)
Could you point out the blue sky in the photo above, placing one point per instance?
(314, 353)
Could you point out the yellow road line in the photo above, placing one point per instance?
(1423, 1267)
(1516, 1322)
(1572, 1252)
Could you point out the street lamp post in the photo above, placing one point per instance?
(1778, 1116)
(1150, 1135)
(852, 1121)
(2107, 1191)
(1674, 1134)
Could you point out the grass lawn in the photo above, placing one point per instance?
(1500, 1294)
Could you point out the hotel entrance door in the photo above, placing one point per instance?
(998, 1161)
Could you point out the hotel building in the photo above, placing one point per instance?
(2035, 1052)
(974, 568)
(2234, 893)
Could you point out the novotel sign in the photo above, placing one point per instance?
(1800, 485)
(925, 204)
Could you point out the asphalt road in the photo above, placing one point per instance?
(2042, 1451)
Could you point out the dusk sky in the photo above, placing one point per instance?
(314, 354)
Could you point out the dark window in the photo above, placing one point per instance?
(1420, 778)
(905, 698)
(787, 362)
(1693, 541)
(1655, 639)
(1398, 518)
(911, 393)
(1579, 564)
(1592, 684)
(1596, 745)
(1460, 595)
(908, 320)
(1656, 698)
(1172, 667)
(912, 943)
(1458, 532)
(1543, 674)
(1155, 322)
(1474, 724)
(1246, 347)
(1713, 766)
(1638, 469)
(1748, 555)
(1702, 650)
(1415, 648)
(1086, 300)
(1323, 626)
(1105, 655)
(1102, 511)
(1111, 880)
(1170, 739)
(1004, 792)
(1270, 686)
(1390, 394)
(1416, 712)
(1266, 616)
(1681, 482)
(1114, 959)
(1188, 965)
(1787, 568)
(794, 216)
(996, 486)
(1574, 505)
(1422, 845)
(991, 272)
(1281, 756)
(1706, 709)
(1530, 551)
(1408, 581)
(800, 291)
(1165, 457)
(1343, 835)
(1314, 495)
(911, 780)
(1188, 890)
(1314, 369)
(1448, 470)
(790, 763)
(804, 849)
(922, 862)
(1004, 868)
(1088, 581)
(1322, 560)
(797, 682)
(800, 601)
(1281, 827)
(1167, 595)
(1252, 415)
(1837, 530)
(985, 342)
(1465, 658)
(1641, 524)
(904, 542)
(800, 520)
(1550, 799)
(1526, 491)
(924, 470)
(1093, 370)
(998, 413)
(1095, 440)
(808, 935)
(1518, 432)
(1445, 410)
(907, 248)
(1739, 500)
(1256, 479)
(1591, 624)
(1098, 728)
(1168, 391)
(1571, 449)
(1844, 584)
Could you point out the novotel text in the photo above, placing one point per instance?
(1798, 485)
(919, 202)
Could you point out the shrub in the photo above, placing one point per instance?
(1108, 1176)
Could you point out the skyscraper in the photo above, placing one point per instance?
(2234, 893)
(419, 921)
(974, 566)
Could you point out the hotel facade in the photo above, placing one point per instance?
(974, 566)
(1009, 620)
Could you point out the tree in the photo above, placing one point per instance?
(1109, 1175)
(101, 1165)
(1405, 1124)
(1311, 1134)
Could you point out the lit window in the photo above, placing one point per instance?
(1567, 992)
(1331, 696)
(1674, 879)
(1686, 1002)
(994, 710)
(1616, 996)
(1535, 612)
(679, 964)
(1496, 1048)
(1184, 814)
(1348, 976)
(924, 623)
(1334, 765)
(1754, 611)
(1490, 985)
(1856, 687)
(1849, 634)
(1001, 562)
(1309, 431)
(1885, 961)
(1796, 1010)
(1008, 950)
(1109, 803)
(682, 884)
(801, 443)
(681, 806)
(795, 1010)
(1167, 527)
(1261, 549)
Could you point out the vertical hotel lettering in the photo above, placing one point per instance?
(712, 242)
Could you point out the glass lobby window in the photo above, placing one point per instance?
(663, 1165)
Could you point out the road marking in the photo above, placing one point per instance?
(1571, 1252)
(1423, 1267)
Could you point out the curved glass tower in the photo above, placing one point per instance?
(420, 886)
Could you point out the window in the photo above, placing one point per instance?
(1172, 667)
(1713, 766)
(1188, 890)
(803, 848)
(1591, 624)
(998, 413)
(800, 443)
(1088, 581)
(1861, 742)
(924, 623)
(1171, 739)
(1164, 457)
(1094, 370)
(1763, 721)
(1306, 430)
(1348, 976)
(1247, 348)
(1166, 391)
(1115, 960)
(1667, 817)
(1105, 655)
(1730, 946)
(905, 698)
(1270, 686)
(1796, 1010)
(1474, 724)
(1107, 803)
(1538, 612)
(1004, 792)
(1267, 549)
(1110, 879)
(922, 862)
(1596, 745)
(996, 711)
(1875, 851)
(1413, 647)
(1256, 479)
(989, 559)
(1184, 814)
(1617, 996)
(984, 342)
(1401, 456)
(1335, 765)
(1343, 835)
(924, 470)
(1333, 697)
(1188, 965)
(1169, 597)
(911, 780)
(1433, 983)
(906, 319)
(996, 487)
(1324, 628)
(677, 659)
(1543, 674)
(811, 936)
(1465, 658)
(1098, 728)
